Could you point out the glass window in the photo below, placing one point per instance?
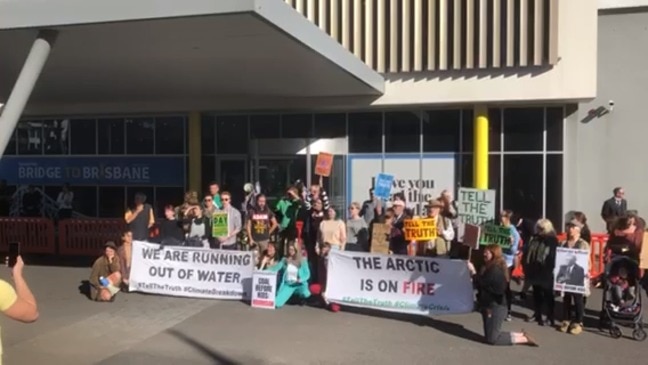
(170, 135)
(232, 134)
(523, 184)
(554, 202)
(83, 136)
(30, 137)
(208, 171)
(149, 191)
(466, 162)
(467, 125)
(85, 198)
(111, 136)
(140, 134)
(365, 132)
(265, 126)
(11, 146)
(297, 125)
(441, 130)
(523, 129)
(330, 125)
(208, 134)
(555, 129)
(166, 196)
(56, 137)
(112, 203)
(467, 172)
(403, 131)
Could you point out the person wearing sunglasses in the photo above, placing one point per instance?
(357, 230)
(234, 224)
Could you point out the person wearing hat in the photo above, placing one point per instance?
(397, 243)
(440, 245)
(573, 303)
(105, 277)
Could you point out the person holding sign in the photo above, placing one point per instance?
(444, 231)
(492, 281)
(332, 231)
(573, 303)
(510, 253)
(295, 275)
(260, 224)
(227, 239)
(317, 192)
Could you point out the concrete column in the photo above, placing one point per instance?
(25, 83)
(480, 157)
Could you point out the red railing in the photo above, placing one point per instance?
(36, 235)
(86, 237)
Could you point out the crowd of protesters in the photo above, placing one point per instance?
(295, 236)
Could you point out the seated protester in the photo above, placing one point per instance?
(269, 257)
(105, 277)
(125, 253)
(171, 230)
(492, 281)
(199, 228)
(295, 274)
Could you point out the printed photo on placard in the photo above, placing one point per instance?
(570, 272)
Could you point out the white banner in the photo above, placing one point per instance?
(264, 289)
(571, 270)
(191, 272)
(394, 283)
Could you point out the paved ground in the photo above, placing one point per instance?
(144, 329)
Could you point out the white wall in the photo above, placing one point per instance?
(610, 151)
(615, 4)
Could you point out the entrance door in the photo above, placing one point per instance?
(276, 174)
(233, 174)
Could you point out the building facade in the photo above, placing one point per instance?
(471, 93)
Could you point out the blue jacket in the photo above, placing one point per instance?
(303, 274)
(509, 254)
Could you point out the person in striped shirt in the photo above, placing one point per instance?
(317, 192)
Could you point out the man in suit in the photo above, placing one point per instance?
(571, 274)
(614, 207)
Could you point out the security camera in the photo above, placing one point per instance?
(611, 105)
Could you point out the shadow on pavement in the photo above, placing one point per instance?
(453, 329)
(59, 261)
(218, 358)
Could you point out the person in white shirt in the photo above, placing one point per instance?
(440, 246)
(64, 202)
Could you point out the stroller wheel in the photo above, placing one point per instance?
(639, 334)
(615, 332)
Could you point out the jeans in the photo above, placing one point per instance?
(509, 293)
(543, 297)
(572, 301)
(493, 316)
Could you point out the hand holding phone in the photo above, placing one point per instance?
(14, 252)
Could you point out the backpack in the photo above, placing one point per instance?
(537, 252)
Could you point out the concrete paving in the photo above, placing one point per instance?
(146, 329)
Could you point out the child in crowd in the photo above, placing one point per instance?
(268, 257)
(622, 288)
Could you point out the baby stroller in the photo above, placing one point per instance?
(629, 313)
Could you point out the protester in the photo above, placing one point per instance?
(64, 202)
(622, 240)
(313, 219)
(399, 200)
(370, 208)
(295, 274)
(171, 229)
(234, 224)
(573, 303)
(261, 223)
(357, 235)
(105, 277)
(125, 253)
(585, 231)
(332, 231)
(440, 246)
(317, 192)
(251, 194)
(286, 211)
(140, 218)
(269, 257)
(397, 243)
(449, 209)
(208, 207)
(539, 259)
(214, 192)
(18, 304)
(510, 254)
(492, 281)
(614, 208)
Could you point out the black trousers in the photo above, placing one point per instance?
(573, 307)
(543, 298)
(509, 292)
(492, 318)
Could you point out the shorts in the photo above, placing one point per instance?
(263, 245)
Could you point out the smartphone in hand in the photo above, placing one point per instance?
(14, 252)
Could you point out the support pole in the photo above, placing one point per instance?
(24, 86)
(195, 152)
(480, 158)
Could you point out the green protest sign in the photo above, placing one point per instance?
(220, 226)
(492, 233)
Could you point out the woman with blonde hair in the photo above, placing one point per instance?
(538, 260)
(357, 231)
(295, 273)
(492, 281)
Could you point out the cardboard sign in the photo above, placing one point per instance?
(643, 258)
(476, 206)
(493, 233)
(220, 225)
(383, 186)
(420, 229)
(264, 289)
(471, 236)
(380, 238)
(324, 164)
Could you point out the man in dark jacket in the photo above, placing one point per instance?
(614, 207)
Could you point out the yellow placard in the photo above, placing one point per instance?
(420, 229)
